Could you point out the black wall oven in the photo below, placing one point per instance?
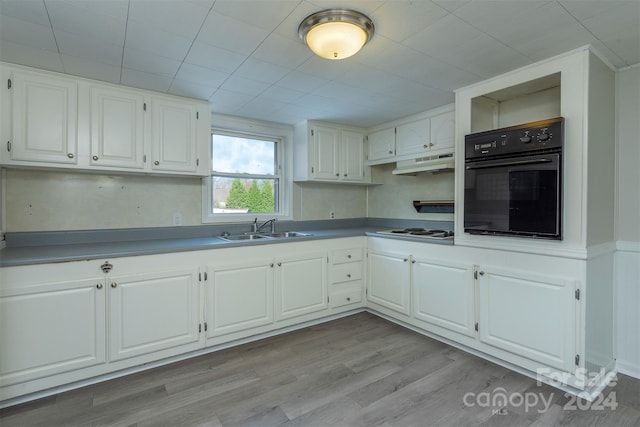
(513, 181)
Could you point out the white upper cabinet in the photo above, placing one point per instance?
(174, 135)
(51, 120)
(330, 153)
(412, 138)
(352, 166)
(382, 145)
(117, 128)
(442, 132)
(45, 113)
(326, 153)
(427, 134)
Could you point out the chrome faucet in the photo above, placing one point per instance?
(256, 228)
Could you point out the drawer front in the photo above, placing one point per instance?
(345, 295)
(341, 256)
(345, 272)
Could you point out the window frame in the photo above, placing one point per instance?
(283, 136)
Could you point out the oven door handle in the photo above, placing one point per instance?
(484, 165)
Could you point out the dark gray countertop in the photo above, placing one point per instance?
(74, 249)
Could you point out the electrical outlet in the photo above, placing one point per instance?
(177, 219)
(332, 215)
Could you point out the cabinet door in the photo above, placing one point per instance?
(117, 128)
(326, 151)
(45, 118)
(530, 315)
(152, 312)
(239, 297)
(382, 145)
(51, 328)
(174, 135)
(442, 131)
(352, 156)
(412, 138)
(301, 285)
(389, 281)
(443, 294)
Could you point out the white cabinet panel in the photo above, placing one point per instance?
(442, 132)
(382, 145)
(326, 143)
(389, 281)
(412, 138)
(529, 315)
(50, 329)
(352, 157)
(174, 135)
(117, 128)
(45, 117)
(239, 297)
(301, 285)
(443, 294)
(151, 312)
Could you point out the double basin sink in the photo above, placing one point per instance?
(262, 236)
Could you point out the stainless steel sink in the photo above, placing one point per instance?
(236, 237)
(262, 236)
(286, 234)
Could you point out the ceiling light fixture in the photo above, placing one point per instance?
(336, 33)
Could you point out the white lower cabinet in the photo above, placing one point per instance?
(301, 285)
(389, 281)
(239, 297)
(50, 328)
(67, 322)
(153, 312)
(443, 294)
(530, 315)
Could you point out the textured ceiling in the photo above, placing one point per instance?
(245, 57)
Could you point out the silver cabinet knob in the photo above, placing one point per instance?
(70, 155)
(348, 299)
(349, 256)
(348, 276)
(431, 144)
(99, 286)
(390, 152)
(114, 285)
(482, 273)
(279, 264)
(425, 146)
(156, 163)
(95, 157)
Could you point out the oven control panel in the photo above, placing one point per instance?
(540, 135)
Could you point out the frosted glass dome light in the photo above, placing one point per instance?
(336, 34)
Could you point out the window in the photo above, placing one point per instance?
(246, 177)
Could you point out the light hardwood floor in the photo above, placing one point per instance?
(360, 370)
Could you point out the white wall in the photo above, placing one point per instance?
(627, 267)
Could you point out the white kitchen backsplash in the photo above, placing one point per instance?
(55, 200)
(394, 198)
(313, 201)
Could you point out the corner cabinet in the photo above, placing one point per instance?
(325, 152)
(427, 134)
(56, 121)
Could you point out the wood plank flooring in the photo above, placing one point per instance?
(360, 370)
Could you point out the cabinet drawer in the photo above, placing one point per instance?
(345, 272)
(346, 295)
(341, 256)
